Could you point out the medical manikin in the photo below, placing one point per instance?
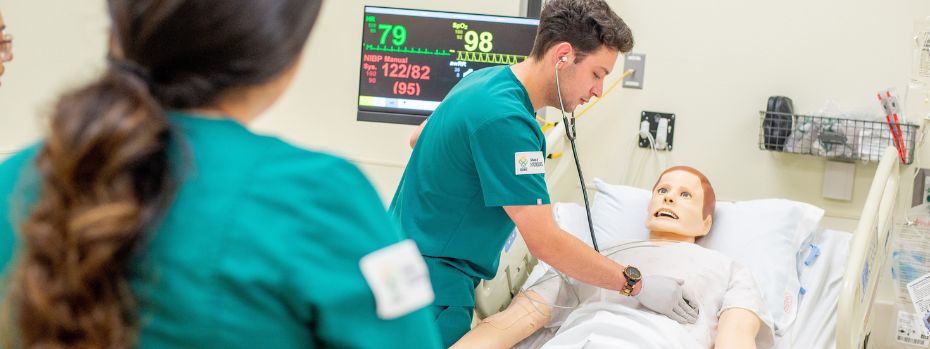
(557, 312)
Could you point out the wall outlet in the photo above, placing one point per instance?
(662, 128)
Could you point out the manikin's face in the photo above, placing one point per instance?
(583, 80)
(676, 209)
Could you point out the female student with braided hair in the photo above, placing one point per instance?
(150, 215)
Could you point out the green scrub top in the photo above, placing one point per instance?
(480, 150)
(259, 249)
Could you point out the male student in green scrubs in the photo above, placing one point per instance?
(477, 170)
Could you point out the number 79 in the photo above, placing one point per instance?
(398, 33)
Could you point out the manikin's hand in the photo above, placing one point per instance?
(665, 295)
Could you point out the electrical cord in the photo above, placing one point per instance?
(572, 286)
(633, 178)
(594, 102)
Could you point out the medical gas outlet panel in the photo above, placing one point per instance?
(656, 130)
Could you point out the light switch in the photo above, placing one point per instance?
(637, 62)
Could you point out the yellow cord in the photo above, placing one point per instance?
(611, 88)
(627, 73)
(548, 125)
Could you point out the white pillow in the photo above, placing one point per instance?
(764, 235)
(619, 213)
(573, 219)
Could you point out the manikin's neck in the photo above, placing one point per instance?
(655, 235)
(535, 78)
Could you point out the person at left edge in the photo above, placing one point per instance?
(150, 216)
(6, 46)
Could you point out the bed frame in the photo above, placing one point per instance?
(869, 248)
(867, 254)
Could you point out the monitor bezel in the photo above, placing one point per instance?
(407, 118)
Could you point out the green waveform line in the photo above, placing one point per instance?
(414, 50)
(493, 58)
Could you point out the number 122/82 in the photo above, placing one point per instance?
(406, 71)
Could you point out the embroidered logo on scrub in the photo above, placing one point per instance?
(529, 162)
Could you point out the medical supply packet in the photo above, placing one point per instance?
(911, 254)
(919, 291)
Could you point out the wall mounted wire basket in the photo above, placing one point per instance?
(831, 137)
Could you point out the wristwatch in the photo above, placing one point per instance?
(632, 276)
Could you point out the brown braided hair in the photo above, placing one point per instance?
(106, 175)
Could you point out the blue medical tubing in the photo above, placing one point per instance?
(812, 255)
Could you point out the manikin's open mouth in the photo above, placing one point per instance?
(666, 213)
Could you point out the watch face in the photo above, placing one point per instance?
(632, 273)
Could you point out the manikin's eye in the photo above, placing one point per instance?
(662, 191)
(686, 195)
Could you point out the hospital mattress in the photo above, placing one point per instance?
(822, 281)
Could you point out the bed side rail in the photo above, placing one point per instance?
(868, 250)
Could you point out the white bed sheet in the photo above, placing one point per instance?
(815, 326)
(821, 280)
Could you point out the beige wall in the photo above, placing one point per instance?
(320, 110)
(713, 63)
(59, 49)
(57, 45)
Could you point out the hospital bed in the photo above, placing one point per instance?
(840, 285)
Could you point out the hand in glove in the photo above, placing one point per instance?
(665, 295)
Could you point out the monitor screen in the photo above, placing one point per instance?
(412, 58)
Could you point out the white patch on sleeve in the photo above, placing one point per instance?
(398, 278)
(529, 162)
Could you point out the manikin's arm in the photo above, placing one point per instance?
(737, 328)
(507, 328)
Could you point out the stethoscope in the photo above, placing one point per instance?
(571, 134)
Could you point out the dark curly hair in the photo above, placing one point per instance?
(585, 24)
